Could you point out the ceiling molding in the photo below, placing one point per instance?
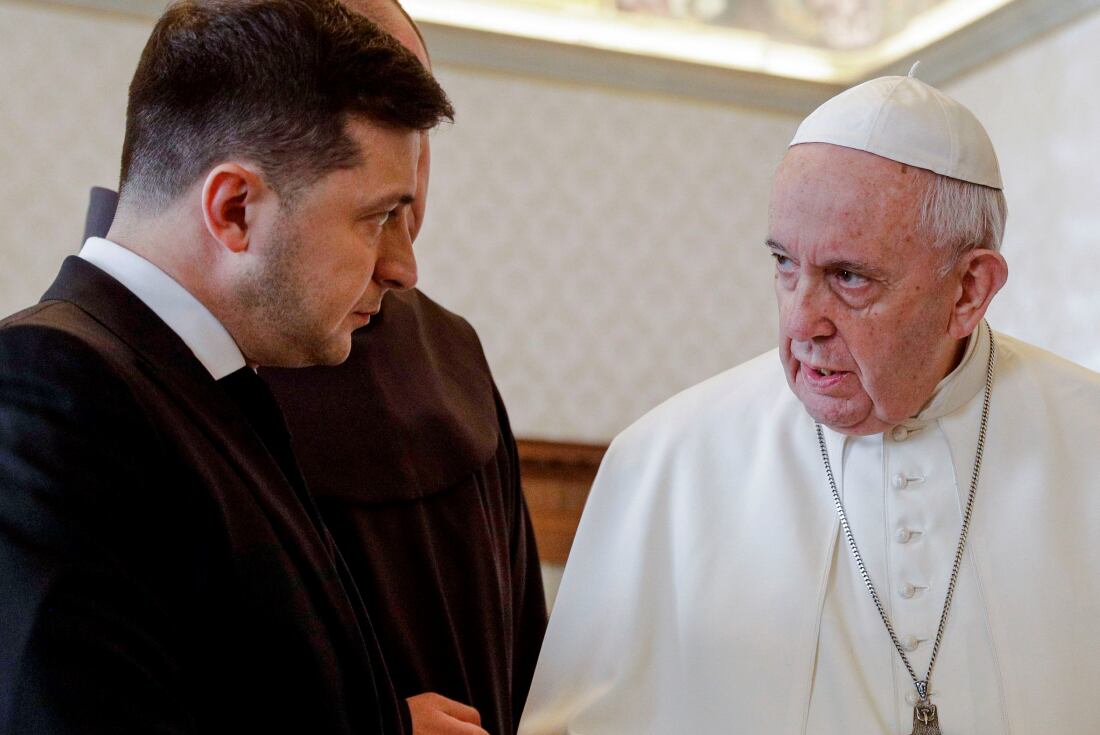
(998, 33)
(1002, 31)
(646, 74)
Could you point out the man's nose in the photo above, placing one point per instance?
(804, 313)
(396, 266)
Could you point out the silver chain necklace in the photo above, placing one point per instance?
(925, 715)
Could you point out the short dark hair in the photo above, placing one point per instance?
(270, 81)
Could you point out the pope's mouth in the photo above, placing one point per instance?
(823, 377)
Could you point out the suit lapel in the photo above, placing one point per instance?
(167, 361)
(171, 364)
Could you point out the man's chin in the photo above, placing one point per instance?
(332, 351)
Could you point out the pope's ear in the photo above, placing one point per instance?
(981, 275)
(231, 195)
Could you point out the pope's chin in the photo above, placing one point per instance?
(844, 411)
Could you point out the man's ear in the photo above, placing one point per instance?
(981, 273)
(231, 195)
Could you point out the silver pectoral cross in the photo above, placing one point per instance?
(926, 720)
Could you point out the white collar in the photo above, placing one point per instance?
(962, 383)
(175, 305)
(953, 392)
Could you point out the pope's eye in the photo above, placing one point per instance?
(848, 278)
(384, 217)
(781, 260)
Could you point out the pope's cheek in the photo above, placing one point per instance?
(791, 366)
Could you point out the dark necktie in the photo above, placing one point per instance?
(255, 400)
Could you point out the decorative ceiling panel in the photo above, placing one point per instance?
(823, 41)
(784, 55)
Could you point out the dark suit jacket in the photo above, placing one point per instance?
(158, 573)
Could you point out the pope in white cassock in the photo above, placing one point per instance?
(716, 584)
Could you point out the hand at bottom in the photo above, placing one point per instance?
(434, 714)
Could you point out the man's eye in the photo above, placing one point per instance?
(781, 261)
(384, 217)
(848, 278)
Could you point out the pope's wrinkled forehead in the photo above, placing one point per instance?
(826, 165)
(827, 192)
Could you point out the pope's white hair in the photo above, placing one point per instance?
(961, 216)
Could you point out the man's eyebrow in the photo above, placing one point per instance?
(398, 201)
(773, 245)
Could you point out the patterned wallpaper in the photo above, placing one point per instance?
(63, 80)
(606, 245)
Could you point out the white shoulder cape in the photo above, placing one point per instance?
(693, 593)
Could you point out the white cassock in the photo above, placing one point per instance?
(709, 589)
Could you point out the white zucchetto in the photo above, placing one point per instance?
(908, 121)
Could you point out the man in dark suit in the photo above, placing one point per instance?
(162, 566)
(408, 450)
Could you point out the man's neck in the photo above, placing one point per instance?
(178, 245)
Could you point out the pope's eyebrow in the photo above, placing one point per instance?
(836, 266)
(851, 266)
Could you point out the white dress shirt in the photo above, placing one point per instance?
(175, 305)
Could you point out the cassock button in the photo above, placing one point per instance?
(910, 643)
(899, 481)
(907, 591)
(900, 433)
(904, 535)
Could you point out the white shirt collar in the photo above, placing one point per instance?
(175, 305)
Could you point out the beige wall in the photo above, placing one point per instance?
(608, 247)
(605, 244)
(1041, 107)
(63, 80)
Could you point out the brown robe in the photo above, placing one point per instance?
(408, 449)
